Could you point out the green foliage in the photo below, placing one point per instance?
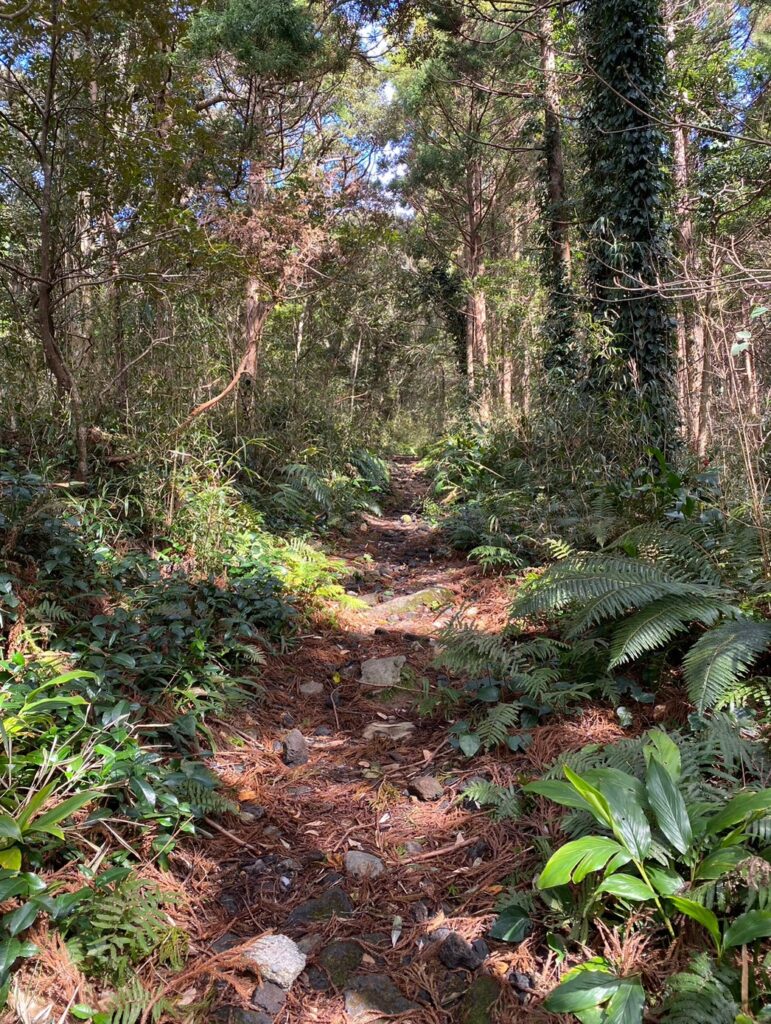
(117, 922)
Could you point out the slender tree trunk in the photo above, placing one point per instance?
(54, 358)
(477, 344)
(559, 229)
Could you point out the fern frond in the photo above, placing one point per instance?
(494, 727)
(721, 658)
(698, 995)
(658, 623)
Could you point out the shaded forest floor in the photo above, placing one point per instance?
(375, 946)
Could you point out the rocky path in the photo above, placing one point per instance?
(355, 876)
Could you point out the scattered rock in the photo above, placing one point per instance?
(479, 850)
(322, 730)
(390, 730)
(382, 672)
(333, 903)
(309, 943)
(374, 993)
(363, 865)
(311, 689)
(455, 952)
(279, 958)
(269, 997)
(235, 1015)
(431, 597)
(340, 960)
(413, 848)
(287, 720)
(477, 1007)
(251, 812)
(225, 942)
(522, 982)
(426, 787)
(295, 749)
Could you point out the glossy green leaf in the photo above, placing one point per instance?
(720, 862)
(581, 991)
(668, 805)
(560, 792)
(697, 912)
(21, 918)
(627, 887)
(664, 748)
(512, 925)
(61, 811)
(596, 802)
(9, 828)
(741, 807)
(575, 860)
(627, 1004)
(756, 924)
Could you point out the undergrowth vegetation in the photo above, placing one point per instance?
(644, 591)
(133, 614)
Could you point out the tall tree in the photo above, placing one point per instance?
(626, 192)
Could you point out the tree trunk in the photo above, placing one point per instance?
(477, 345)
(45, 292)
(558, 226)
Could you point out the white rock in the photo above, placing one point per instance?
(391, 730)
(382, 672)
(311, 689)
(363, 865)
(279, 959)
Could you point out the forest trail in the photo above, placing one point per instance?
(376, 945)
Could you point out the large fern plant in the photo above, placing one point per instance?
(673, 584)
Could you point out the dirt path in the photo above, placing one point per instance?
(375, 944)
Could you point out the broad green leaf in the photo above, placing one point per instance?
(11, 858)
(741, 807)
(627, 887)
(10, 887)
(12, 950)
(582, 991)
(720, 862)
(574, 861)
(703, 915)
(665, 881)
(61, 811)
(666, 750)
(627, 1004)
(9, 828)
(756, 924)
(513, 925)
(558, 791)
(35, 803)
(628, 821)
(668, 805)
(469, 743)
(21, 918)
(597, 803)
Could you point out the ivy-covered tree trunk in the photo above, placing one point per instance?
(560, 324)
(626, 188)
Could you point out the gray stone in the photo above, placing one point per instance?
(322, 730)
(251, 812)
(477, 1006)
(413, 848)
(382, 673)
(235, 1015)
(333, 903)
(427, 788)
(363, 865)
(374, 993)
(431, 597)
(393, 731)
(295, 748)
(309, 943)
(455, 952)
(340, 960)
(269, 997)
(311, 689)
(278, 957)
(225, 942)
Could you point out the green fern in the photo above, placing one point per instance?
(721, 658)
(700, 994)
(503, 800)
(494, 727)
